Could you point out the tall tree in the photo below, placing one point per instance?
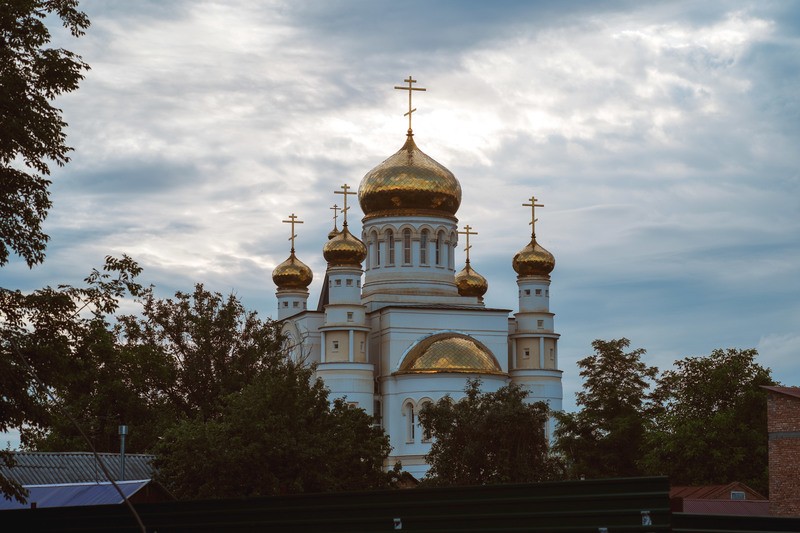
(42, 335)
(604, 438)
(487, 438)
(711, 424)
(277, 436)
(176, 360)
(31, 129)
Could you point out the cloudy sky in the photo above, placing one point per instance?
(661, 137)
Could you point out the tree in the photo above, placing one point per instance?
(604, 439)
(41, 337)
(177, 360)
(32, 132)
(487, 438)
(277, 436)
(711, 424)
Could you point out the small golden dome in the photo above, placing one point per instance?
(333, 233)
(409, 182)
(344, 249)
(470, 283)
(292, 274)
(449, 352)
(533, 260)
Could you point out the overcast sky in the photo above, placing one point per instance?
(662, 139)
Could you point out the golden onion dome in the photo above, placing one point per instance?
(344, 249)
(292, 274)
(470, 283)
(533, 260)
(449, 352)
(409, 183)
(333, 233)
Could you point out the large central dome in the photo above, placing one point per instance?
(409, 183)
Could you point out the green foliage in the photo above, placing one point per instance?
(711, 426)
(47, 333)
(31, 76)
(487, 438)
(277, 436)
(605, 437)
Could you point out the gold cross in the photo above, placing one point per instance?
(533, 205)
(345, 191)
(335, 214)
(467, 231)
(410, 82)
(292, 220)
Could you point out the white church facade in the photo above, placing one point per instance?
(396, 325)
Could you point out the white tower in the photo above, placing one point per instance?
(344, 365)
(534, 345)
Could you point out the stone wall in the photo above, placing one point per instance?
(783, 425)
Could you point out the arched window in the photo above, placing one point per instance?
(389, 247)
(407, 246)
(439, 248)
(423, 247)
(426, 437)
(377, 250)
(451, 251)
(408, 412)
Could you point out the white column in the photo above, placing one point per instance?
(322, 348)
(350, 355)
(514, 354)
(541, 352)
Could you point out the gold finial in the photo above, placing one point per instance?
(410, 88)
(345, 191)
(292, 220)
(533, 205)
(335, 214)
(467, 231)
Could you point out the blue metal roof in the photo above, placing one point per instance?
(75, 494)
(47, 468)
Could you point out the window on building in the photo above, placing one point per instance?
(426, 436)
(304, 305)
(338, 283)
(527, 292)
(738, 495)
(390, 247)
(538, 292)
(526, 353)
(295, 304)
(407, 246)
(552, 355)
(335, 345)
(286, 304)
(423, 247)
(439, 248)
(410, 422)
(540, 324)
(349, 316)
(362, 346)
(547, 292)
(349, 283)
(377, 251)
(358, 283)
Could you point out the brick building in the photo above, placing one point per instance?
(783, 425)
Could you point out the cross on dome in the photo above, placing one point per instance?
(467, 231)
(292, 220)
(533, 205)
(346, 192)
(410, 88)
(336, 209)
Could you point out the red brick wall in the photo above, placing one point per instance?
(783, 416)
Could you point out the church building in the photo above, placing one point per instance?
(397, 325)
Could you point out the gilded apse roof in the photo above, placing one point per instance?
(533, 260)
(343, 249)
(292, 274)
(409, 183)
(470, 283)
(449, 352)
